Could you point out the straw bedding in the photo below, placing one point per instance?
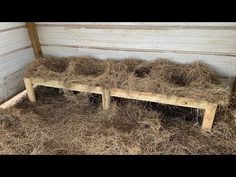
(74, 123)
(195, 80)
(67, 122)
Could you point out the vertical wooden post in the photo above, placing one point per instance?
(30, 89)
(209, 116)
(106, 99)
(34, 39)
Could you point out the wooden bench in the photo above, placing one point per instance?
(209, 113)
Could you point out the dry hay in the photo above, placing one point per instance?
(195, 80)
(75, 123)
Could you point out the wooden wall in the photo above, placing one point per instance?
(15, 54)
(213, 43)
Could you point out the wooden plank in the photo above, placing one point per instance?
(106, 99)
(144, 96)
(34, 39)
(209, 115)
(158, 98)
(225, 65)
(210, 108)
(13, 101)
(72, 86)
(30, 89)
(124, 94)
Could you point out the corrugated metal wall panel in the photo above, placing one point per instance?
(182, 40)
(145, 24)
(13, 40)
(213, 43)
(15, 53)
(6, 25)
(15, 61)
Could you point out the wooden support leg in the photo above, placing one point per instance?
(30, 89)
(106, 99)
(209, 116)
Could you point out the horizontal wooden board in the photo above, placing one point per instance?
(225, 65)
(122, 93)
(13, 40)
(60, 84)
(15, 61)
(189, 40)
(8, 25)
(13, 101)
(163, 99)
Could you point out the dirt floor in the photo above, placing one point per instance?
(74, 123)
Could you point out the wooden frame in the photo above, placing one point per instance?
(210, 108)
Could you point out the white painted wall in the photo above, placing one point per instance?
(213, 43)
(15, 54)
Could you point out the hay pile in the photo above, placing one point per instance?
(196, 80)
(74, 123)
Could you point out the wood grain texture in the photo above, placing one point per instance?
(30, 89)
(209, 115)
(158, 98)
(13, 101)
(144, 96)
(106, 99)
(72, 86)
(210, 108)
(33, 34)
